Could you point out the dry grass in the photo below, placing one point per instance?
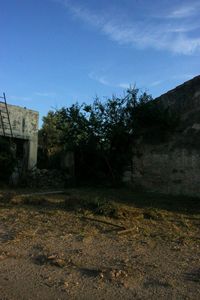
(147, 219)
(74, 237)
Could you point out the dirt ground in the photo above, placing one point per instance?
(74, 246)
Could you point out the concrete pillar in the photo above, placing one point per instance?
(32, 155)
(67, 163)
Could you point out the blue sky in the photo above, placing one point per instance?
(56, 52)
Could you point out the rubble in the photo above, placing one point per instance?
(43, 178)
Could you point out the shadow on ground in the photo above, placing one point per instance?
(101, 200)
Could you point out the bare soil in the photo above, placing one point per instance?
(56, 247)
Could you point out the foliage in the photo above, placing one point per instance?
(153, 121)
(101, 134)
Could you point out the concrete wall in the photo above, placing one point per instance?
(172, 166)
(24, 124)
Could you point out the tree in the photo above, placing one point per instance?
(102, 134)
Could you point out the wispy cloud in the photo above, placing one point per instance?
(185, 11)
(166, 35)
(124, 85)
(100, 79)
(184, 76)
(156, 83)
(31, 97)
(177, 77)
(45, 94)
(103, 80)
(20, 98)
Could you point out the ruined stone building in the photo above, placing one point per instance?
(173, 166)
(24, 124)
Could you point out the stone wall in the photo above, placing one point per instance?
(174, 166)
(167, 170)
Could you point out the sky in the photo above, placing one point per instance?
(56, 52)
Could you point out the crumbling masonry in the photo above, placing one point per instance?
(172, 166)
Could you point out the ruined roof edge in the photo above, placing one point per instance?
(21, 107)
(181, 86)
